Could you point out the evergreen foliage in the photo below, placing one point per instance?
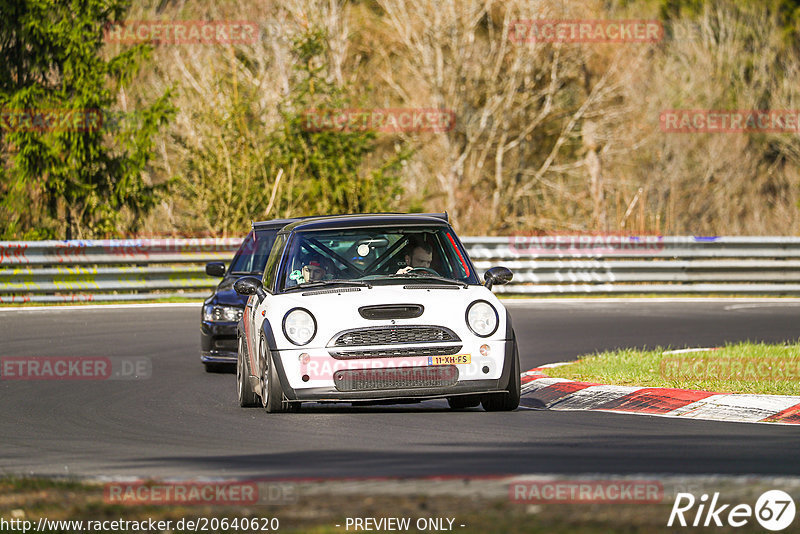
(70, 181)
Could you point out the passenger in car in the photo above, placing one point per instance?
(313, 271)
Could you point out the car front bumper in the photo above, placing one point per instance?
(484, 375)
(467, 387)
(218, 342)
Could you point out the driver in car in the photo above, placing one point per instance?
(419, 255)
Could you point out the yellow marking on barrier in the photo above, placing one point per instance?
(77, 280)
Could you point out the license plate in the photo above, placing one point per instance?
(456, 359)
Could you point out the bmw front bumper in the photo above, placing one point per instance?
(218, 342)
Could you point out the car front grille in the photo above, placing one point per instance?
(392, 335)
(395, 378)
(394, 353)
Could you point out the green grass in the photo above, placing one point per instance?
(736, 368)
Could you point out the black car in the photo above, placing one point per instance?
(223, 309)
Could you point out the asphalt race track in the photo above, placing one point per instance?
(183, 422)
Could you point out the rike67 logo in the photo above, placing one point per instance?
(774, 510)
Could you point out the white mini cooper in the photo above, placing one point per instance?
(374, 309)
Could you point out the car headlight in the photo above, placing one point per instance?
(216, 313)
(482, 318)
(299, 326)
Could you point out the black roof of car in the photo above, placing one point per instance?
(273, 224)
(366, 219)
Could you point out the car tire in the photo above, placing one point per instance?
(272, 398)
(214, 368)
(463, 402)
(244, 390)
(508, 401)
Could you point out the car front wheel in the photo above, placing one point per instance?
(505, 402)
(272, 398)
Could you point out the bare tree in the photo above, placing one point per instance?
(718, 183)
(512, 160)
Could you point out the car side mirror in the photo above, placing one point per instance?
(497, 275)
(250, 285)
(215, 268)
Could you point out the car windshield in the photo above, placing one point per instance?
(377, 255)
(253, 252)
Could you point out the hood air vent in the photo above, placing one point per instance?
(391, 311)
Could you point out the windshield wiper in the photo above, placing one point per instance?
(319, 283)
(430, 277)
(243, 273)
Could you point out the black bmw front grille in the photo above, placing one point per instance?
(382, 335)
(395, 378)
(394, 353)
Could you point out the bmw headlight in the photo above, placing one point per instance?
(482, 318)
(216, 313)
(299, 326)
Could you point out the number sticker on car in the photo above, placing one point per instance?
(456, 359)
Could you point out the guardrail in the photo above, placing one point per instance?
(138, 269)
(608, 264)
(109, 270)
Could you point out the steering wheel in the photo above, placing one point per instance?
(425, 270)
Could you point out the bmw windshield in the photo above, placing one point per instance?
(252, 254)
(376, 255)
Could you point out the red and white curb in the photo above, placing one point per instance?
(543, 392)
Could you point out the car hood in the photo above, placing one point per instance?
(226, 295)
